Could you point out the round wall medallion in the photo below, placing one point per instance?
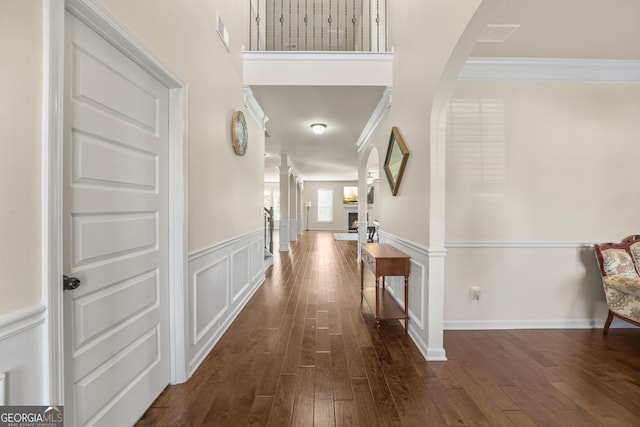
(239, 134)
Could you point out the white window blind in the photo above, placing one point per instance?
(475, 130)
(325, 205)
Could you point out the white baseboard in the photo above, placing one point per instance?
(479, 325)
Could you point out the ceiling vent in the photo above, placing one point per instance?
(497, 33)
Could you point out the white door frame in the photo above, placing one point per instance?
(93, 14)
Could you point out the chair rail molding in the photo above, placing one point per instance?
(551, 70)
(14, 323)
(517, 244)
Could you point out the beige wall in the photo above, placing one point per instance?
(225, 190)
(225, 196)
(340, 210)
(20, 153)
(418, 65)
(571, 153)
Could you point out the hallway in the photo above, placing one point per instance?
(306, 352)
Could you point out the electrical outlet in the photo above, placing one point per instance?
(475, 293)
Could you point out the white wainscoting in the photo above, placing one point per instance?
(418, 288)
(22, 338)
(222, 279)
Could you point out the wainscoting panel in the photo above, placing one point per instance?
(416, 293)
(240, 272)
(223, 278)
(24, 355)
(418, 287)
(210, 296)
(257, 259)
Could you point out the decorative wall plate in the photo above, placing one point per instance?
(239, 135)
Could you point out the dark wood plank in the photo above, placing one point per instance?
(304, 398)
(323, 413)
(308, 349)
(260, 411)
(340, 370)
(385, 404)
(365, 405)
(346, 414)
(323, 376)
(282, 409)
(354, 357)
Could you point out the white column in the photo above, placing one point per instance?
(284, 205)
(293, 212)
(299, 206)
(362, 207)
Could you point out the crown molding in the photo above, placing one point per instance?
(251, 103)
(551, 70)
(381, 109)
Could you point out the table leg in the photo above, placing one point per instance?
(406, 304)
(378, 301)
(361, 280)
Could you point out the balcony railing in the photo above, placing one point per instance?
(318, 25)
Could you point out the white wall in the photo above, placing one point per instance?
(224, 194)
(340, 209)
(22, 316)
(418, 65)
(423, 69)
(20, 142)
(225, 190)
(570, 151)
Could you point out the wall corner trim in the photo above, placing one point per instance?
(378, 114)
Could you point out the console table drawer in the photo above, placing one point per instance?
(369, 260)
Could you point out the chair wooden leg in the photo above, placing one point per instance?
(605, 331)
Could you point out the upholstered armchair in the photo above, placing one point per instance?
(620, 266)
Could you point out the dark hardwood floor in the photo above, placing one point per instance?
(306, 352)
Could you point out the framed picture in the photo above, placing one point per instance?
(350, 195)
(396, 160)
(370, 189)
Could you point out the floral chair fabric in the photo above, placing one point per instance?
(620, 268)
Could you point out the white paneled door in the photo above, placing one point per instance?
(115, 232)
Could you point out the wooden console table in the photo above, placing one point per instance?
(385, 260)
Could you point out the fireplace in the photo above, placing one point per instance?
(352, 221)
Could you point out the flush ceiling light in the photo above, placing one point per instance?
(318, 128)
